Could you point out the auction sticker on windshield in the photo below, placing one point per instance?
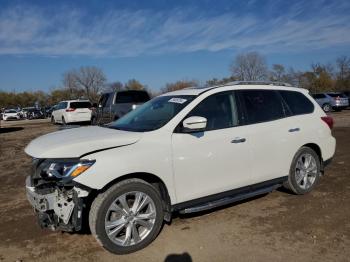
(177, 100)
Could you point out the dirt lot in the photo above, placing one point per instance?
(275, 227)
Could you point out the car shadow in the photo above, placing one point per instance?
(185, 257)
(10, 129)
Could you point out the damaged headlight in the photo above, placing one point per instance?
(64, 169)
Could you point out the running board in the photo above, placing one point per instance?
(228, 200)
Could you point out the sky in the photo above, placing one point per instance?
(157, 42)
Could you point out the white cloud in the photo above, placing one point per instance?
(121, 33)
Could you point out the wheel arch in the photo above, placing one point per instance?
(317, 150)
(155, 181)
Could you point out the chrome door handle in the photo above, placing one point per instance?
(294, 129)
(238, 140)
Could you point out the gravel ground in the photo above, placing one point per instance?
(274, 227)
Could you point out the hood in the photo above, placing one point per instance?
(75, 142)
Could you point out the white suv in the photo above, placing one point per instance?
(72, 111)
(185, 151)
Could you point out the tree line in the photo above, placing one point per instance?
(89, 82)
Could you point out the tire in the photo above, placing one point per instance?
(327, 108)
(53, 120)
(101, 213)
(63, 121)
(297, 182)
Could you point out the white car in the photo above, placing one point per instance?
(187, 151)
(10, 114)
(72, 111)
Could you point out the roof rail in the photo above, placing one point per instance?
(272, 83)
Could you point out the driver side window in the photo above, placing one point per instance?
(219, 109)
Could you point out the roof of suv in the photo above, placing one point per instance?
(238, 85)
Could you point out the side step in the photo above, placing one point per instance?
(228, 200)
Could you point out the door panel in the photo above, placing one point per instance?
(217, 159)
(208, 162)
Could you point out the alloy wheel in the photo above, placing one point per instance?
(130, 218)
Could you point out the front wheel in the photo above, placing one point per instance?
(304, 172)
(127, 217)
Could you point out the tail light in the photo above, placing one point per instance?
(328, 120)
(70, 109)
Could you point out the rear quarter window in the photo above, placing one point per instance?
(297, 102)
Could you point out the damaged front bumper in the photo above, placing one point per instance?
(57, 207)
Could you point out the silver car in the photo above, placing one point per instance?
(331, 100)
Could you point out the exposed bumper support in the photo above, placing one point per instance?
(57, 209)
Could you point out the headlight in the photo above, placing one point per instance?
(65, 169)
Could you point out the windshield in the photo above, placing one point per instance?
(153, 114)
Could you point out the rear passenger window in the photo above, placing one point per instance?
(261, 105)
(297, 103)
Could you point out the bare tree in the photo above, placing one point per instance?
(133, 84)
(90, 79)
(249, 67)
(178, 85)
(277, 72)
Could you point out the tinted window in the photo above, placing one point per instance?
(80, 105)
(297, 103)
(132, 97)
(141, 97)
(262, 105)
(219, 109)
(318, 96)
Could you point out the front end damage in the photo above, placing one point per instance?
(58, 203)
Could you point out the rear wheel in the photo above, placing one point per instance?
(63, 121)
(127, 217)
(326, 107)
(304, 172)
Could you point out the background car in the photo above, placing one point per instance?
(347, 93)
(72, 111)
(331, 100)
(114, 105)
(10, 114)
(35, 113)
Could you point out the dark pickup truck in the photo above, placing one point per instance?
(114, 105)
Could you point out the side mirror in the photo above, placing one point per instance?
(194, 124)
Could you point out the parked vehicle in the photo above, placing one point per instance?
(347, 94)
(25, 111)
(329, 101)
(72, 111)
(34, 113)
(187, 151)
(10, 114)
(114, 105)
